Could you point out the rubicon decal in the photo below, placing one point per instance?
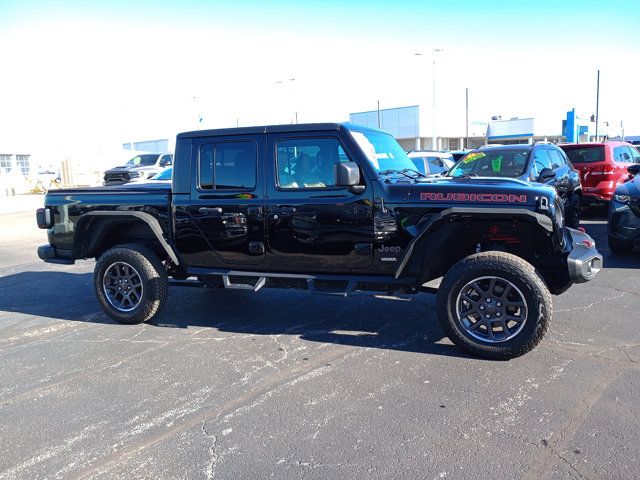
(473, 197)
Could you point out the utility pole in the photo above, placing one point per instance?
(379, 124)
(466, 117)
(622, 131)
(434, 143)
(597, 102)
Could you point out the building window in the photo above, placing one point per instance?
(23, 164)
(454, 144)
(5, 163)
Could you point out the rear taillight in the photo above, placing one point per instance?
(44, 218)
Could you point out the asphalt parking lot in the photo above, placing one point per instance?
(282, 384)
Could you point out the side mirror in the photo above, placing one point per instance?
(546, 174)
(347, 174)
(634, 169)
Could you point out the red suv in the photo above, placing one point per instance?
(602, 167)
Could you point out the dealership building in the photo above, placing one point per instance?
(413, 128)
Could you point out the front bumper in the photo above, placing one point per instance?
(584, 261)
(51, 255)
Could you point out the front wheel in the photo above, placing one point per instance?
(618, 247)
(131, 283)
(573, 212)
(494, 305)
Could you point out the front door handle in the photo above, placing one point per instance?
(206, 210)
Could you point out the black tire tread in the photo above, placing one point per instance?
(151, 267)
(618, 247)
(497, 262)
(573, 214)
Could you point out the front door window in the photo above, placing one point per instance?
(308, 163)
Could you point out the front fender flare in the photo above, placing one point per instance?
(461, 213)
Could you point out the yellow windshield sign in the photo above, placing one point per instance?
(472, 157)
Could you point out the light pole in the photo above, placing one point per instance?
(597, 102)
(466, 118)
(434, 143)
(290, 83)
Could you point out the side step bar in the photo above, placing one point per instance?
(226, 282)
(316, 284)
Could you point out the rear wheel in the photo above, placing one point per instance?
(131, 283)
(618, 247)
(494, 305)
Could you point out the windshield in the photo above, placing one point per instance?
(143, 160)
(163, 175)
(492, 163)
(585, 154)
(382, 151)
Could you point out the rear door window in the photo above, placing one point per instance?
(621, 154)
(436, 165)
(635, 155)
(228, 166)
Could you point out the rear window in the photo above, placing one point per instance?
(585, 155)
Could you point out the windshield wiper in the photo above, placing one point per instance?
(401, 172)
(420, 174)
(465, 175)
(405, 171)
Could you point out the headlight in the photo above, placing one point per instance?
(622, 198)
(136, 174)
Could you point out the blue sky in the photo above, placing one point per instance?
(109, 70)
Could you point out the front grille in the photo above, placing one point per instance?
(119, 177)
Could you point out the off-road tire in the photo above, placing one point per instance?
(152, 274)
(572, 219)
(618, 247)
(503, 266)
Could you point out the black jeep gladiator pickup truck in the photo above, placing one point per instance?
(331, 208)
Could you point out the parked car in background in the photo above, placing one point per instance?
(602, 167)
(139, 168)
(163, 176)
(540, 162)
(430, 163)
(624, 214)
(458, 154)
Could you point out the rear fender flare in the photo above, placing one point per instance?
(151, 222)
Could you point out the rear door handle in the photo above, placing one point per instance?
(206, 210)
